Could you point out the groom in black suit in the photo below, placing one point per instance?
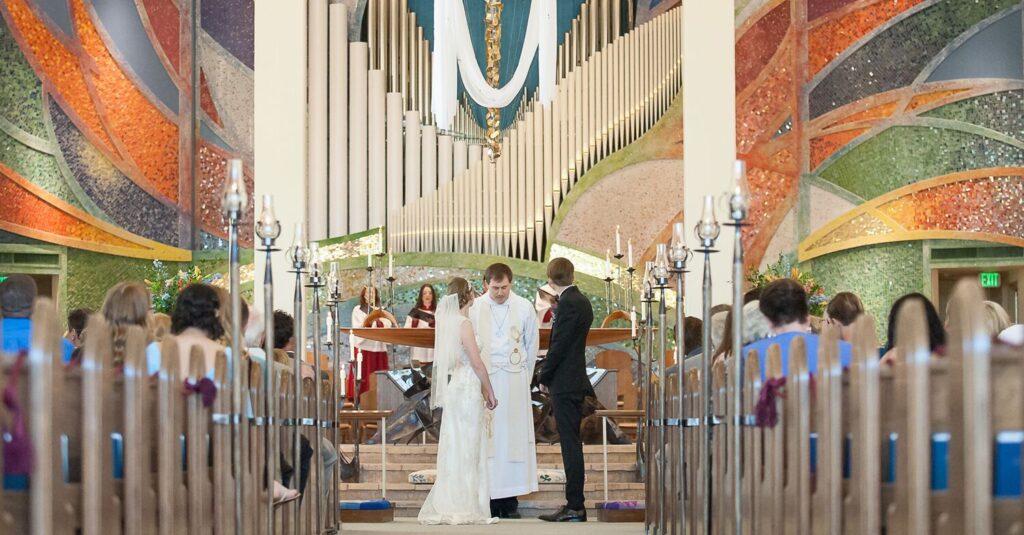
(564, 374)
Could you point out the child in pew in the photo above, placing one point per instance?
(784, 303)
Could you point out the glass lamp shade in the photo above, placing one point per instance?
(334, 281)
(661, 262)
(268, 228)
(678, 251)
(314, 259)
(708, 227)
(298, 252)
(739, 198)
(649, 282)
(234, 197)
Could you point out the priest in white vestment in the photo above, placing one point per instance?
(507, 329)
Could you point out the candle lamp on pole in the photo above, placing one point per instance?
(268, 229)
(707, 231)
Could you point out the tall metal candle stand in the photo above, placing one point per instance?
(661, 281)
(680, 255)
(629, 288)
(607, 295)
(707, 232)
(268, 229)
(299, 255)
(739, 203)
(377, 291)
(334, 308)
(316, 282)
(651, 489)
(234, 201)
(391, 294)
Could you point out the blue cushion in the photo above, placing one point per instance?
(376, 505)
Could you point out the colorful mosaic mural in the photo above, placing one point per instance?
(97, 122)
(909, 109)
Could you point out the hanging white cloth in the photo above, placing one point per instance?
(453, 54)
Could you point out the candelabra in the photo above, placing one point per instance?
(660, 274)
(707, 232)
(646, 300)
(679, 254)
(268, 229)
(391, 294)
(334, 308)
(299, 254)
(316, 282)
(739, 203)
(629, 292)
(618, 280)
(608, 295)
(233, 202)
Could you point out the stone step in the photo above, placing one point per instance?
(399, 473)
(427, 454)
(527, 508)
(555, 492)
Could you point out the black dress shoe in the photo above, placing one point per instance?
(513, 515)
(566, 515)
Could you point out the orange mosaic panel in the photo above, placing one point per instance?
(772, 195)
(60, 68)
(827, 41)
(758, 114)
(989, 205)
(878, 112)
(824, 146)
(758, 44)
(924, 100)
(150, 138)
(24, 208)
(213, 166)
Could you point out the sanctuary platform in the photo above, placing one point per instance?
(403, 460)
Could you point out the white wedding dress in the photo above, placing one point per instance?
(460, 493)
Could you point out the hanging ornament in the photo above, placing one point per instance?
(492, 36)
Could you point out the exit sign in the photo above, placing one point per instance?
(989, 279)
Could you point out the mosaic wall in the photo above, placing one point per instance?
(96, 122)
(899, 122)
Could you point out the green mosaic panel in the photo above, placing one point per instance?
(879, 274)
(40, 169)
(1002, 112)
(20, 90)
(903, 155)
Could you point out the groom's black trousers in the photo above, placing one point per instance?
(568, 409)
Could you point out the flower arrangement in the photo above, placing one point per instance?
(165, 287)
(816, 297)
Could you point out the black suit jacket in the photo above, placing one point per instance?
(564, 370)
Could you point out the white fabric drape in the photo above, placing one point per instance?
(453, 54)
(447, 346)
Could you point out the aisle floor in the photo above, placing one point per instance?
(517, 527)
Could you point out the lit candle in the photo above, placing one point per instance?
(343, 381)
(629, 249)
(632, 323)
(618, 242)
(359, 367)
(351, 346)
(391, 265)
(608, 263)
(369, 260)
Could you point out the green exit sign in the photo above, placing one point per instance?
(989, 279)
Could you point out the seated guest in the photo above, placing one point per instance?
(996, 318)
(718, 317)
(160, 326)
(693, 336)
(936, 331)
(284, 342)
(755, 327)
(76, 324)
(422, 317)
(842, 311)
(784, 303)
(17, 296)
(196, 322)
(127, 304)
(375, 354)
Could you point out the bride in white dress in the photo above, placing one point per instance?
(460, 494)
